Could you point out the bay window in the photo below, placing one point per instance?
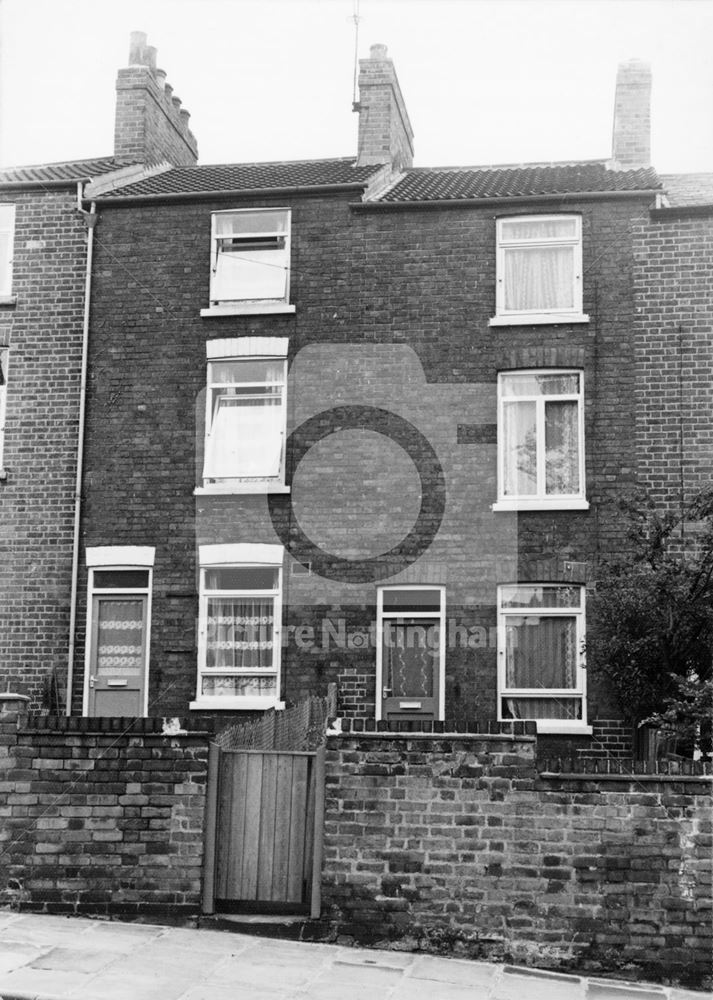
(541, 440)
(541, 672)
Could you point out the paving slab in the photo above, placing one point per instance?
(452, 970)
(73, 960)
(528, 987)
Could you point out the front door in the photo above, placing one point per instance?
(411, 652)
(117, 657)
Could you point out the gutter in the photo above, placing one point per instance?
(45, 185)
(399, 206)
(90, 218)
(304, 189)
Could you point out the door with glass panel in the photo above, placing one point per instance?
(118, 642)
(410, 652)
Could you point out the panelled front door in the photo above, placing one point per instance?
(411, 652)
(118, 654)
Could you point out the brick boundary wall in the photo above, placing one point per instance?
(101, 822)
(458, 844)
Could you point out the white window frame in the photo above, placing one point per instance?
(118, 557)
(513, 317)
(7, 227)
(230, 307)
(4, 365)
(555, 726)
(387, 614)
(239, 556)
(244, 349)
(541, 500)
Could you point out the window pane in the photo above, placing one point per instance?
(538, 229)
(540, 652)
(410, 654)
(112, 579)
(235, 223)
(120, 633)
(241, 578)
(520, 449)
(240, 686)
(532, 384)
(245, 439)
(523, 595)
(239, 633)
(561, 448)
(542, 708)
(245, 275)
(538, 278)
(272, 370)
(412, 600)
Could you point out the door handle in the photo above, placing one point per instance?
(385, 692)
(92, 678)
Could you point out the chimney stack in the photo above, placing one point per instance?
(385, 133)
(631, 140)
(150, 125)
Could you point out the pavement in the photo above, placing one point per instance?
(43, 957)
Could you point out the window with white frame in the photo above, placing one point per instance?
(540, 440)
(250, 257)
(245, 423)
(4, 358)
(7, 236)
(541, 672)
(539, 269)
(240, 616)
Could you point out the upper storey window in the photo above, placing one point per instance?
(250, 261)
(539, 270)
(7, 233)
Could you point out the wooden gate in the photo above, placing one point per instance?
(265, 811)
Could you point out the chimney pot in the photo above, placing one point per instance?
(151, 57)
(161, 78)
(378, 52)
(176, 101)
(137, 45)
(168, 90)
(185, 115)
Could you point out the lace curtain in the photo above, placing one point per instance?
(240, 633)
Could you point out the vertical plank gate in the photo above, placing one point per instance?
(264, 821)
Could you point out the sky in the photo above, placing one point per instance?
(484, 81)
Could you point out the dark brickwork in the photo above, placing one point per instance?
(673, 258)
(101, 823)
(43, 331)
(459, 844)
(392, 312)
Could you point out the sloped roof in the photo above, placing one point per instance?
(65, 171)
(525, 180)
(247, 177)
(686, 190)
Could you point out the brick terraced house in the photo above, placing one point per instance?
(46, 241)
(358, 422)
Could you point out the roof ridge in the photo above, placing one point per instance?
(273, 163)
(514, 166)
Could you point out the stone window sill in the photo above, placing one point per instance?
(248, 309)
(246, 704)
(556, 728)
(8, 300)
(230, 489)
(573, 503)
(533, 319)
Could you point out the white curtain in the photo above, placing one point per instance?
(240, 633)
(520, 435)
(245, 269)
(538, 278)
(245, 439)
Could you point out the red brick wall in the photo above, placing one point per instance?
(673, 256)
(44, 333)
(101, 822)
(459, 844)
(392, 310)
